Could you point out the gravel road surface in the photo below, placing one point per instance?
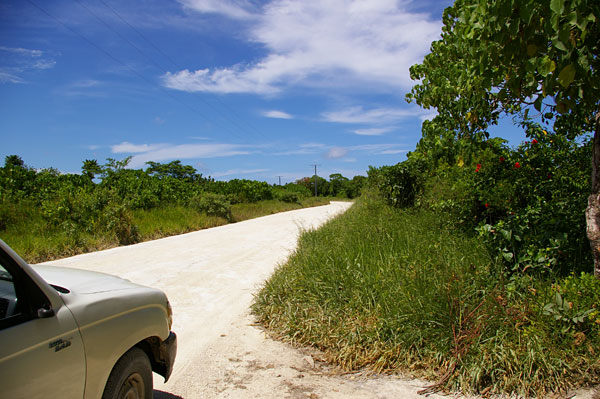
(210, 277)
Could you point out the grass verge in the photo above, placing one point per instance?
(245, 211)
(403, 291)
(36, 241)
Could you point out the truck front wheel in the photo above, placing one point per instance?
(131, 378)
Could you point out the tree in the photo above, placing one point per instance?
(13, 161)
(338, 185)
(113, 166)
(507, 57)
(173, 169)
(91, 168)
(309, 182)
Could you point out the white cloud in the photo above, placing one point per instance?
(158, 120)
(312, 145)
(44, 64)
(218, 81)
(22, 51)
(304, 149)
(233, 9)
(378, 148)
(336, 152)
(277, 114)
(18, 61)
(393, 152)
(354, 44)
(163, 152)
(428, 116)
(372, 131)
(82, 84)
(239, 172)
(6, 77)
(126, 147)
(378, 116)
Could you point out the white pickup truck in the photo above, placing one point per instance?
(67, 333)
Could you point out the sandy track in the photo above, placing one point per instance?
(210, 277)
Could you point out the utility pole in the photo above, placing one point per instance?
(315, 179)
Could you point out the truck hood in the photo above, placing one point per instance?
(82, 281)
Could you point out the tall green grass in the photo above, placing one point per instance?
(36, 240)
(245, 211)
(389, 290)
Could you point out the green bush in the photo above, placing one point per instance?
(404, 290)
(531, 201)
(526, 203)
(239, 191)
(286, 195)
(118, 219)
(212, 205)
(399, 184)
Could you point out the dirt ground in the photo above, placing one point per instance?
(210, 277)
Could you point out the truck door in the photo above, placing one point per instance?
(41, 351)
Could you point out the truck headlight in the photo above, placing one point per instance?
(169, 315)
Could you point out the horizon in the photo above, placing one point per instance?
(258, 90)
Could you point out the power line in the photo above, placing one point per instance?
(121, 36)
(233, 112)
(138, 32)
(132, 70)
(225, 116)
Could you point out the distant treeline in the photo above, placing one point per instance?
(103, 199)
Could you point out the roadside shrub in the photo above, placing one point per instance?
(285, 195)
(7, 214)
(118, 219)
(212, 205)
(530, 203)
(238, 191)
(526, 203)
(399, 184)
(405, 290)
(289, 197)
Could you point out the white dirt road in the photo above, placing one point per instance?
(210, 277)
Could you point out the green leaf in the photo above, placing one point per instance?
(572, 19)
(526, 11)
(558, 300)
(546, 66)
(562, 107)
(514, 27)
(557, 6)
(538, 103)
(566, 76)
(559, 44)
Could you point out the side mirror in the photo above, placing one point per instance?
(45, 312)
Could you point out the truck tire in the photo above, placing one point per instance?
(131, 378)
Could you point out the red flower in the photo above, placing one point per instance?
(549, 176)
(534, 141)
(517, 165)
(487, 205)
(502, 159)
(478, 167)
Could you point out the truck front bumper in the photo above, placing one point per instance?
(168, 351)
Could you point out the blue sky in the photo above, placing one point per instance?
(247, 89)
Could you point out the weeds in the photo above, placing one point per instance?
(95, 225)
(403, 291)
